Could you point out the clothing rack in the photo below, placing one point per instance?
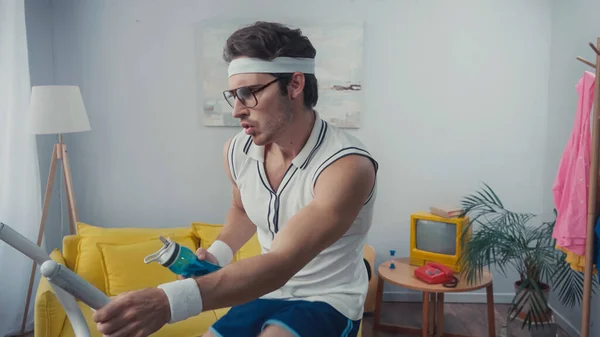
(592, 190)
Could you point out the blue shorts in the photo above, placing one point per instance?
(300, 318)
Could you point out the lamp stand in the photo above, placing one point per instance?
(59, 152)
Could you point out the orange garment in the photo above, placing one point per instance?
(577, 262)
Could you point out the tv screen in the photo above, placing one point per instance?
(436, 237)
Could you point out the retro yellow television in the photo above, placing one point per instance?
(437, 239)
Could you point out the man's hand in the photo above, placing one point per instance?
(202, 254)
(137, 313)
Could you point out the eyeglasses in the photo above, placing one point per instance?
(246, 95)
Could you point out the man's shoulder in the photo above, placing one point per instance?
(339, 144)
(345, 167)
(238, 143)
(342, 138)
(235, 151)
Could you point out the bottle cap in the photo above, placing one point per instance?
(166, 255)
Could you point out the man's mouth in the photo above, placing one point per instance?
(248, 128)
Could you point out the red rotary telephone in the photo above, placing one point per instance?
(435, 273)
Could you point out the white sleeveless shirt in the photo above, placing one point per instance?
(337, 275)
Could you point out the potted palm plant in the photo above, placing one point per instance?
(511, 240)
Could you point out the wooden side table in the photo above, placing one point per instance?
(433, 299)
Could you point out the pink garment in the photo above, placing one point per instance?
(570, 188)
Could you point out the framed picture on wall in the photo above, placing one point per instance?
(339, 70)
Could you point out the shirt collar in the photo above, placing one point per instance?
(308, 150)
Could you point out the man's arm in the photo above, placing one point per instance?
(238, 228)
(340, 192)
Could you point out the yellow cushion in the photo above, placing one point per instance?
(88, 261)
(221, 312)
(49, 313)
(124, 268)
(208, 233)
(84, 229)
(70, 250)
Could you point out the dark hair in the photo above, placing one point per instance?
(268, 40)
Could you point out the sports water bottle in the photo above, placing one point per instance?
(180, 260)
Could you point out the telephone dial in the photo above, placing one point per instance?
(435, 273)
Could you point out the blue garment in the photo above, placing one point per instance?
(300, 318)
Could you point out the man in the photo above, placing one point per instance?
(305, 187)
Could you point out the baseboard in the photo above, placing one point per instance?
(564, 323)
(468, 297)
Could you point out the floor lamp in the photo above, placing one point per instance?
(56, 109)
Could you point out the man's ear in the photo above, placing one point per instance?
(296, 85)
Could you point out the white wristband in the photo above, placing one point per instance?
(184, 299)
(222, 252)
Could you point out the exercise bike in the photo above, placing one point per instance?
(67, 285)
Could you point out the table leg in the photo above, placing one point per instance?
(491, 313)
(433, 312)
(377, 325)
(440, 315)
(378, 300)
(439, 324)
(433, 315)
(426, 313)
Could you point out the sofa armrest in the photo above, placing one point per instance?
(49, 315)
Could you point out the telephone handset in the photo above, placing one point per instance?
(435, 273)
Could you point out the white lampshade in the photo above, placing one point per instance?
(57, 109)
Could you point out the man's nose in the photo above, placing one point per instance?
(239, 109)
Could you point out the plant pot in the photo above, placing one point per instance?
(543, 319)
(515, 328)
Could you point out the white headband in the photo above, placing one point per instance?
(245, 65)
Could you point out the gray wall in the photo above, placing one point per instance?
(40, 27)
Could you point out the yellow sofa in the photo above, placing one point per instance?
(112, 260)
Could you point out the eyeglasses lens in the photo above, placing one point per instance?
(245, 96)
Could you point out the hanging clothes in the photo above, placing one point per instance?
(596, 243)
(570, 189)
